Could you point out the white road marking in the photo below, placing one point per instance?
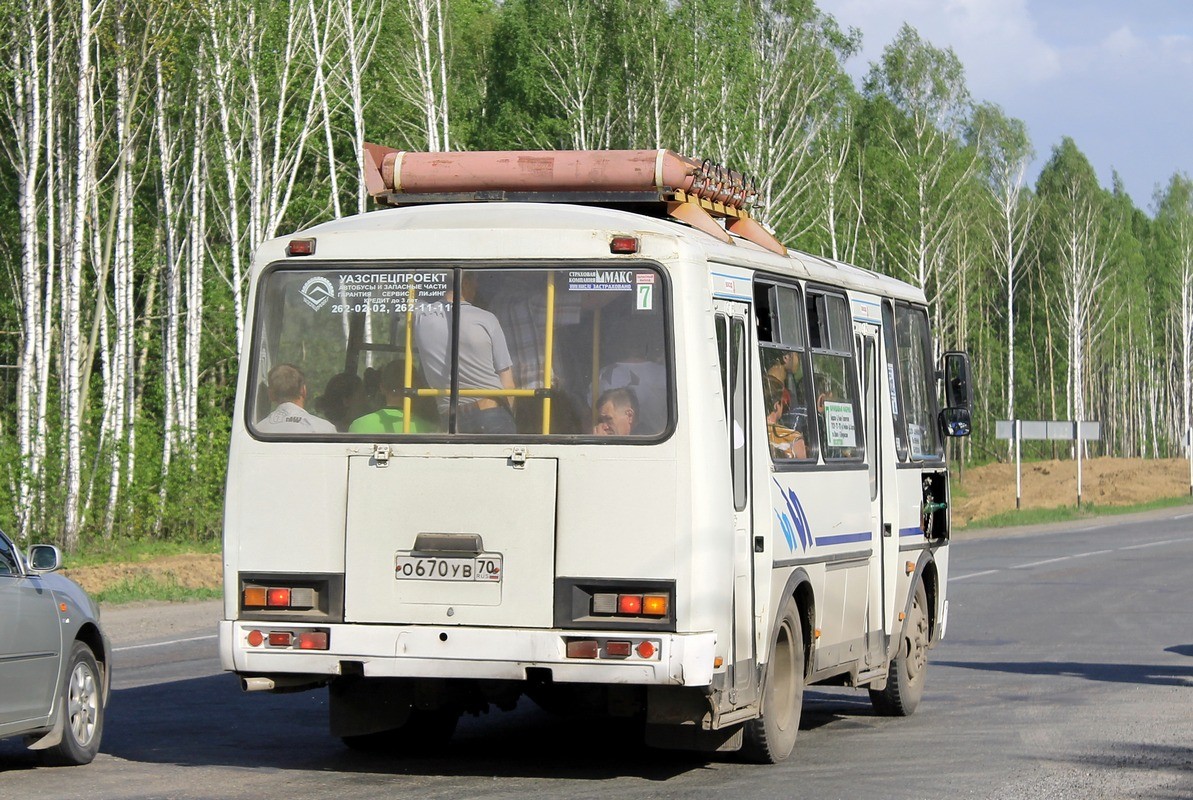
(163, 644)
(1150, 544)
(1071, 556)
(973, 575)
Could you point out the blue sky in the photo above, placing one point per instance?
(1115, 75)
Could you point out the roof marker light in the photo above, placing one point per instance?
(300, 247)
(623, 245)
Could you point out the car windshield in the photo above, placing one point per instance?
(378, 351)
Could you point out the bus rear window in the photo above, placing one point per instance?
(378, 351)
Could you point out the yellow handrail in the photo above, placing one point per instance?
(550, 345)
(596, 361)
(409, 377)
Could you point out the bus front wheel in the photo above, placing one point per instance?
(905, 680)
(771, 738)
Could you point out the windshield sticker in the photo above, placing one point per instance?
(601, 280)
(376, 292)
(890, 377)
(316, 292)
(838, 420)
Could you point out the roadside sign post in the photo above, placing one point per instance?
(1057, 430)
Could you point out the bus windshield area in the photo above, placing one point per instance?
(373, 351)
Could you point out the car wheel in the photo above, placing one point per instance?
(80, 709)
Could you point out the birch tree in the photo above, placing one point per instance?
(927, 110)
(83, 185)
(24, 120)
(1175, 219)
(1006, 151)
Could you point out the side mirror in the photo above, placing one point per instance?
(955, 421)
(955, 418)
(44, 558)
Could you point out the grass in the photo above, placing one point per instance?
(143, 588)
(129, 551)
(1039, 516)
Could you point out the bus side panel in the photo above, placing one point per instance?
(281, 487)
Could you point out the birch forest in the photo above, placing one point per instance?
(152, 145)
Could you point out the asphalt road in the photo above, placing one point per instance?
(1067, 672)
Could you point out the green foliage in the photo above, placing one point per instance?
(143, 588)
(898, 177)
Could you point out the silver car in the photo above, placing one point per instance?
(55, 660)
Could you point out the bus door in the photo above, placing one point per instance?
(732, 324)
(886, 550)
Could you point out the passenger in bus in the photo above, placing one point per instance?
(787, 367)
(520, 305)
(288, 394)
(484, 360)
(638, 370)
(391, 418)
(785, 442)
(617, 412)
(342, 400)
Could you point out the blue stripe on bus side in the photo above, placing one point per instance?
(910, 532)
(844, 538)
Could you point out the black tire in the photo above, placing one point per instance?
(425, 733)
(771, 738)
(908, 671)
(80, 711)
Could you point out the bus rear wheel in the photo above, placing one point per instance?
(771, 738)
(905, 680)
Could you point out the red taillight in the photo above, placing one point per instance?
(280, 638)
(629, 604)
(583, 648)
(619, 649)
(278, 598)
(301, 247)
(623, 245)
(312, 640)
(255, 638)
(646, 649)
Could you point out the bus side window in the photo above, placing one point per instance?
(894, 385)
(834, 378)
(783, 359)
(917, 375)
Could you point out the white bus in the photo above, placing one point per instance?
(580, 450)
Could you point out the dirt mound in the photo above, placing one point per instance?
(989, 490)
(191, 571)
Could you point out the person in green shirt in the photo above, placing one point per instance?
(389, 419)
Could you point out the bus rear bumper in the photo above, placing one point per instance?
(397, 651)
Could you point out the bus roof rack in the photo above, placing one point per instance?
(699, 193)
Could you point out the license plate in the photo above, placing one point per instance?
(485, 568)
